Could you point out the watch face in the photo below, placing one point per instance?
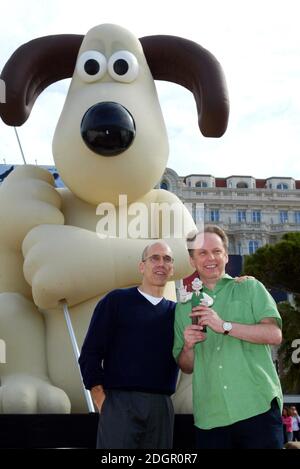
(227, 326)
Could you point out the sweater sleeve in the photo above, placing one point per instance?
(96, 341)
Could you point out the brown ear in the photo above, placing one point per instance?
(181, 61)
(34, 66)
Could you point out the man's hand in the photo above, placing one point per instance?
(192, 335)
(98, 396)
(241, 278)
(208, 317)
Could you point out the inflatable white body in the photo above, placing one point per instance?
(52, 246)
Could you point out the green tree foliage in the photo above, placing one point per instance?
(289, 352)
(278, 265)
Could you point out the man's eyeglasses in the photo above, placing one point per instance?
(156, 258)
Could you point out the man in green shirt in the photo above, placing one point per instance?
(237, 398)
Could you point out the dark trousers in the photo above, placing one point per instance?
(264, 431)
(296, 435)
(131, 420)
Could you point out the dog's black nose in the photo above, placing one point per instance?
(108, 128)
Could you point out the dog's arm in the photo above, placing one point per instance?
(66, 262)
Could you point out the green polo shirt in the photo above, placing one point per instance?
(233, 379)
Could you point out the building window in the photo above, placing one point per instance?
(194, 212)
(253, 246)
(242, 185)
(201, 184)
(164, 185)
(214, 215)
(282, 186)
(297, 218)
(283, 216)
(241, 216)
(256, 216)
(231, 246)
(199, 214)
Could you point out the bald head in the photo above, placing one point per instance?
(152, 246)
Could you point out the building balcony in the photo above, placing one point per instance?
(245, 227)
(244, 195)
(284, 227)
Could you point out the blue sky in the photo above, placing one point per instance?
(256, 42)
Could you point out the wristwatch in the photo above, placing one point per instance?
(227, 326)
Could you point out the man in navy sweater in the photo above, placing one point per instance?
(126, 359)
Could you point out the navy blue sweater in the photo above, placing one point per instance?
(129, 344)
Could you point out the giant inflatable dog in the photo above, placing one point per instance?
(110, 140)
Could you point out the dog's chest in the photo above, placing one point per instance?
(77, 212)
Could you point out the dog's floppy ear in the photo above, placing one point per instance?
(182, 61)
(34, 66)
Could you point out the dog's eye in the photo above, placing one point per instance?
(123, 66)
(91, 66)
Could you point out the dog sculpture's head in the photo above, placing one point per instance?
(111, 138)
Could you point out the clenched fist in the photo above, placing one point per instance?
(28, 199)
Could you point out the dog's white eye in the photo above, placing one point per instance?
(123, 66)
(91, 66)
